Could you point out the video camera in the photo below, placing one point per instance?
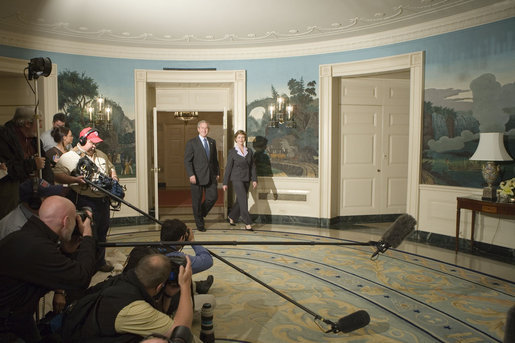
(87, 168)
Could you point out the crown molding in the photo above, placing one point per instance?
(485, 15)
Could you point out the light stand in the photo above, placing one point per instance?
(38, 66)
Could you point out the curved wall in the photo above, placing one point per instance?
(451, 61)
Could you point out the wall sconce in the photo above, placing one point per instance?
(280, 113)
(100, 115)
(186, 116)
(490, 149)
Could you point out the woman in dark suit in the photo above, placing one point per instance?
(241, 171)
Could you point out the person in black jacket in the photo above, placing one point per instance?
(241, 171)
(124, 309)
(32, 263)
(18, 150)
(201, 164)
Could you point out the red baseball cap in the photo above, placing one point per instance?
(91, 134)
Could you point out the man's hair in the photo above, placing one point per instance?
(153, 270)
(23, 115)
(59, 117)
(201, 122)
(173, 230)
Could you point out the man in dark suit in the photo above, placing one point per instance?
(201, 163)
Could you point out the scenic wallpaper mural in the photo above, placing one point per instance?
(286, 150)
(452, 123)
(76, 92)
(469, 88)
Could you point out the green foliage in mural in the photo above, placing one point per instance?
(289, 151)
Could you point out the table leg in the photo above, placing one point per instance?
(458, 212)
(472, 229)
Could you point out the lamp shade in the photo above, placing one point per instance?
(491, 148)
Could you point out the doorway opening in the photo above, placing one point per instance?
(173, 184)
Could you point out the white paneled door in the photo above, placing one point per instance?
(374, 117)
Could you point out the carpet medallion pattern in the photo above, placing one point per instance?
(410, 298)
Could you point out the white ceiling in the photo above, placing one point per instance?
(200, 24)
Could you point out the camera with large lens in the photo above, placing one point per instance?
(177, 262)
(83, 215)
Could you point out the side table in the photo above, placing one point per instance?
(476, 204)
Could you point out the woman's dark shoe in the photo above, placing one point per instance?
(248, 228)
(231, 222)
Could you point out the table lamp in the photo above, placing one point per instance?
(491, 149)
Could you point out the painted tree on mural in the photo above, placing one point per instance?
(291, 151)
(76, 92)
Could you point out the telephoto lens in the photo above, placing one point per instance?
(207, 332)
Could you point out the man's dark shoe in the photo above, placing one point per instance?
(106, 268)
(202, 229)
(202, 287)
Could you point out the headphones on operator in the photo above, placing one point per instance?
(84, 139)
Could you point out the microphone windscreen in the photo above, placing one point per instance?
(353, 321)
(399, 230)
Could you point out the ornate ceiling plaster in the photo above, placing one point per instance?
(195, 25)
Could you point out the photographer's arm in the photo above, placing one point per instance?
(202, 259)
(184, 314)
(114, 176)
(66, 179)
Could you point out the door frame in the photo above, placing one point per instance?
(329, 123)
(146, 83)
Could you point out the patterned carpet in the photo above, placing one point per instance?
(409, 298)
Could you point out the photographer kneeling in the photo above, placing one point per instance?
(124, 306)
(32, 264)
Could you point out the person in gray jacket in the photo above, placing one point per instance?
(241, 171)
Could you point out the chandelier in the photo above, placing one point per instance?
(99, 115)
(280, 114)
(185, 115)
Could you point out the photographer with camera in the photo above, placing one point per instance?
(81, 194)
(32, 264)
(124, 307)
(176, 230)
(20, 155)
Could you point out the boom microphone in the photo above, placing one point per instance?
(353, 321)
(394, 236)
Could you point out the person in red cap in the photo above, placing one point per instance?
(81, 194)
